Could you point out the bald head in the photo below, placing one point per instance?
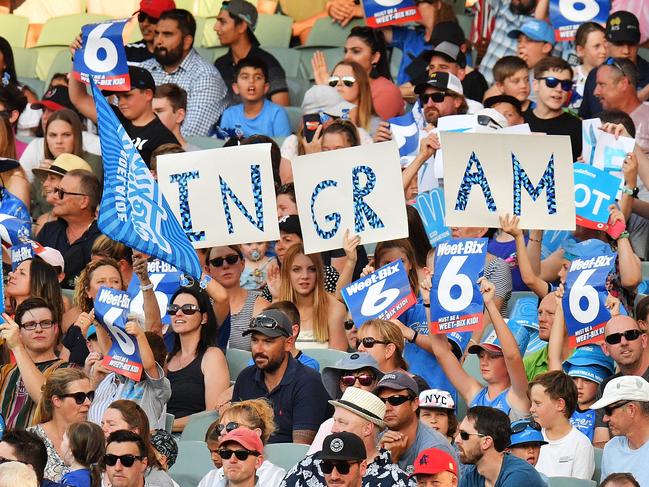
(547, 308)
(626, 322)
(625, 344)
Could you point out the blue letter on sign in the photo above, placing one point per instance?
(331, 217)
(547, 182)
(471, 178)
(255, 180)
(360, 207)
(183, 199)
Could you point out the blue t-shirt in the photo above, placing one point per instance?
(412, 44)
(499, 402)
(619, 457)
(78, 478)
(272, 121)
(584, 421)
(514, 472)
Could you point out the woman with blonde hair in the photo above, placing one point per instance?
(65, 400)
(353, 84)
(254, 414)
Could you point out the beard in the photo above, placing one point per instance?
(470, 457)
(271, 365)
(431, 115)
(522, 7)
(168, 57)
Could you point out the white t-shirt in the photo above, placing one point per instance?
(619, 457)
(268, 474)
(571, 456)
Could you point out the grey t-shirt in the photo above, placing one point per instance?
(426, 437)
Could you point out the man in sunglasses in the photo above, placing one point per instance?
(625, 403)
(242, 453)
(125, 459)
(343, 460)
(147, 17)
(441, 95)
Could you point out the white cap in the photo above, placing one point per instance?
(53, 257)
(495, 115)
(624, 388)
(436, 398)
(324, 98)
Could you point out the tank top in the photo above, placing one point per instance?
(240, 321)
(187, 389)
(499, 402)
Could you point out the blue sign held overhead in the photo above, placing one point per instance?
(405, 133)
(595, 190)
(381, 13)
(567, 15)
(430, 206)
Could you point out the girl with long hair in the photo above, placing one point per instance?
(83, 448)
(353, 84)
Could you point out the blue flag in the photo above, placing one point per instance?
(133, 210)
(14, 230)
(405, 132)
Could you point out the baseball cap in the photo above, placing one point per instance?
(492, 345)
(432, 461)
(53, 257)
(584, 250)
(624, 388)
(622, 27)
(290, 224)
(398, 381)
(534, 29)
(590, 355)
(343, 446)
(449, 51)
(245, 437)
(354, 361)
(54, 99)
(140, 79)
(363, 403)
(487, 116)
(272, 323)
(447, 31)
(494, 100)
(526, 431)
(441, 81)
(63, 164)
(436, 398)
(154, 8)
(246, 11)
(324, 98)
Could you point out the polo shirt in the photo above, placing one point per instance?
(514, 472)
(300, 401)
(536, 363)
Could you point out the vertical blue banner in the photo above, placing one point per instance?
(430, 206)
(567, 15)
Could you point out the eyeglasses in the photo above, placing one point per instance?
(141, 17)
(369, 342)
(364, 379)
(629, 336)
(487, 121)
(126, 460)
(342, 467)
(268, 323)
(522, 425)
(396, 400)
(80, 397)
(60, 193)
(228, 427)
(465, 435)
(31, 325)
(230, 259)
(349, 324)
(552, 82)
(240, 454)
(608, 410)
(187, 309)
(437, 97)
(348, 81)
(612, 62)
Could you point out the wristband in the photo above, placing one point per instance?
(633, 192)
(534, 240)
(414, 337)
(624, 234)
(426, 305)
(204, 281)
(147, 287)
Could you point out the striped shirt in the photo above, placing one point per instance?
(239, 322)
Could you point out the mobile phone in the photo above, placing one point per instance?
(616, 229)
(311, 122)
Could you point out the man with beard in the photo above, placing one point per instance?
(147, 17)
(440, 96)
(481, 440)
(176, 61)
(299, 399)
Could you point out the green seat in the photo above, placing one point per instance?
(46, 57)
(326, 357)
(205, 142)
(645, 270)
(472, 367)
(169, 422)
(208, 36)
(570, 482)
(207, 8)
(294, 118)
(599, 452)
(274, 30)
(25, 61)
(200, 30)
(285, 455)
(288, 58)
(279, 140)
(197, 426)
(395, 61)
(331, 34)
(333, 56)
(297, 87)
(237, 361)
(61, 31)
(192, 464)
(14, 29)
(62, 63)
(37, 85)
(465, 21)
(189, 5)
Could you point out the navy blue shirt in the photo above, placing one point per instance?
(514, 472)
(300, 401)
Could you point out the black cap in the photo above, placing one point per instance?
(344, 447)
(494, 100)
(247, 12)
(7, 164)
(449, 51)
(622, 27)
(140, 79)
(272, 323)
(54, 99)
(442, 81)
(290, 224)
(447, 31)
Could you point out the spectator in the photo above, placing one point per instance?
(382, 339)
(75, 230)
(406, 435)
(104, 248)
(512, 77)
(440, 96)
(28, 448)
(343, 460)
(83, 448)
(509, 107)
(552, 83)
(255, 114)
(147, 17)
(177, 62)
(436, 468)
(300, 403)
(256, 260)
(437, 410)
(526, 441)
(625, 402)
(568, 453)
(125, 460)
(482, 439)
(170, 105)
(240, 466)
(17, 473)
(13, 103)
(286, 204)
(162, 150)
(32, 338)
(535, 41)
(235, 27)
(590, 44)
(620, 480)
(166, 448)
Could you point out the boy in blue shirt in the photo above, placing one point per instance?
(255, 115)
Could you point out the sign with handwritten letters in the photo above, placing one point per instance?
(488, 175)
(222, 196)
(595, 190)
(567, 15)
(430, 206)
(384, 294)
(381, 13)
(111, 310)
(584, 299)
(165, 279)
(358, 188)
(456, 303)
(102, 56)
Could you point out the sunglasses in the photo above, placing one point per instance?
(126, 460)
(437, 97)
(522, 425)
(465, 435)
(268, 323)
(187, 309)
(348, 81)
(365, 379)
(228, 427)
(612, 62)
(487, 121)
(552, 82)
(349, 324)
(369, 342)
(141, 17)
(80, 397)
(396, 400)
(230, 259)
(342, 467)
(60, 193)
(240, 454)
(31, 325)
(629, 336)
(608, 410)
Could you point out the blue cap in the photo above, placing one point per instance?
(91, 331)
(535, 29)
(492, 345)
(591, 355)
(528, 435)
(594, 373)
(584, 250)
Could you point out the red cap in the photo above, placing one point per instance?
(432, 461)
(154, 8)
(247, 438)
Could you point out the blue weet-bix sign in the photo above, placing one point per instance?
(567, 15)
(165, 279)
(384, 294)
(455, 300)
(584, 299)
(381, 13)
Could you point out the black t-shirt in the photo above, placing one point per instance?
(277, 78)
(564, 124)
(136, 52)
(147, 137)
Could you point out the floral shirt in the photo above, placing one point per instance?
(380, 473)
(55, 468)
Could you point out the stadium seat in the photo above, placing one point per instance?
(325, 356)
(193, 462)
(37, 85)
(207, 37)
(61, 31)
(14, 29)
(570, 482)
(598, 464)
(294, 117)
(297, 87)
(395, 61)
(285, 455)
(197, 426)
(274, 30)
(332, 55)
(326, 33)
(205, 142)
(46, 57)
(279, 140)
(237, 361)
(472, 367)
(645, 270)
(207, 8)
(190, 5)
(61, 64)
(25, 61)
(288, 58)
(465, 21)
(169, 422)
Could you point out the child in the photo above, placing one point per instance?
(256, 114)
(254, 274)
(512, 78)
(437, 410)
(526, 441)
(166, 448)
(568, 453)
(590, 42)
(83, 448)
